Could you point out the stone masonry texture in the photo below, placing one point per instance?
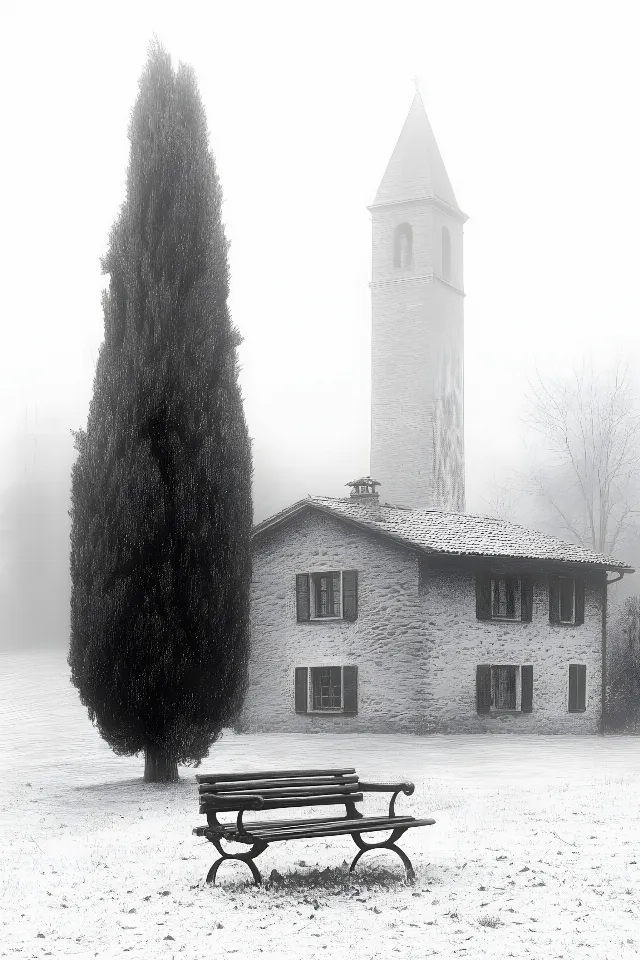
(416, 641)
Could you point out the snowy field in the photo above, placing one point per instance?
(534, 852)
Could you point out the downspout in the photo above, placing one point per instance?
(603, 714)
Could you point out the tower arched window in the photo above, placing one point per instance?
(403, 246)
(446, 254)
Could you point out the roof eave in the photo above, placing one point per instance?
(455, 212)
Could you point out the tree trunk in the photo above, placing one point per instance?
(159, 767)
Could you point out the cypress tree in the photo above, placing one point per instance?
(161, 488)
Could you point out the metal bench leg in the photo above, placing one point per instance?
(258, 847)
(388, 844)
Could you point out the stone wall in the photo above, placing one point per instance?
(416, 642)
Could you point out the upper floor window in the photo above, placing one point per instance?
(501, 596)
(327, 595)
(403, 246)
(446, 254)
(566, 600)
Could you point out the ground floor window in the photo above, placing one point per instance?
(326, 689)
(504, 684)
(504, 687)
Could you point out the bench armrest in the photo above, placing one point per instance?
(405, 787)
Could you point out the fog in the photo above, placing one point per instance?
(534, 109)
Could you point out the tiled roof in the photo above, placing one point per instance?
(451, 533)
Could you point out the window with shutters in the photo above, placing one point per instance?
(326, 689)
(501, 596)
(577, 687)
(566, 600)
(327, 595)
(504, 688)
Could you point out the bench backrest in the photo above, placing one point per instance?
(276, 789)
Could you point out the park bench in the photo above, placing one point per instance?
(281, 789)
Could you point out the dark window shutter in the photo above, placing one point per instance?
(350, 594)
(302, 596)
(554, 600)
(577, 686)
(582, 686)
(526, 599)
(483, 596)
(302, 686)
(483, 688)
(579, 600)
(526, 698)
(573, 686)
(350, 690)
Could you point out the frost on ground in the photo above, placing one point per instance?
(534, 852)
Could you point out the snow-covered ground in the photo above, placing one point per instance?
(534, 852)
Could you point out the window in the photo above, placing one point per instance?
(503, 596)
(327, 595)
(403, 246)
(446, 254)
(326, 689)
(504, 687)
(577, 688)
(566, 600)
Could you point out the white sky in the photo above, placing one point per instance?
(535, 109)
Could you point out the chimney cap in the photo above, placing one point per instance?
(364, 487)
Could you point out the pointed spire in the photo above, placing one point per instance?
(416, 169)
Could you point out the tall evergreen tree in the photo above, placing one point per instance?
(161, 489)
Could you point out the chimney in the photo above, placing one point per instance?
(364, 490)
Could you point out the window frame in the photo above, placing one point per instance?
(571, 580)
(518, 685)
(313, 616)
(310, 700)
(517, 597)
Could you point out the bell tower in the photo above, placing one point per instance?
(417, 342)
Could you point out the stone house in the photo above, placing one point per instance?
(368, 617)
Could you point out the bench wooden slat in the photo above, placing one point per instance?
(274, 824)
(335, 831)
(225, 786)
(351, 824)
(223, 805)
(343, 789)
(272, 774)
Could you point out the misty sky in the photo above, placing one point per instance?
(534, 107)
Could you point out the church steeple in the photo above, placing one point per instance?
(417, 337)
(416, 170)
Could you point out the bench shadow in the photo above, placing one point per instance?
(330, 880)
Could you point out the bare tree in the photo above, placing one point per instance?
(589, 453)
